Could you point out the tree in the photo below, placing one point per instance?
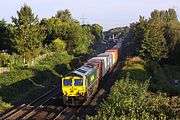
(170, 25)
(153, 46)
(53, 28)
(64, 15)
(58, 46)
(83, 42)
(4, 35)
(97, 31)
(164, 16)
(136, 34)
(172, 35)
(27, 34)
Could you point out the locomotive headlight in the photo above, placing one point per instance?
(80, 92)
(65, 93)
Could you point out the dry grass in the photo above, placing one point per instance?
(135, 59)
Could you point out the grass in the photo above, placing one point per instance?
(135, 67)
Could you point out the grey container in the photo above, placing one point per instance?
(109, 58)
(102, 60)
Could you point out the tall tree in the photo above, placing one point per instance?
(172, 34)
(136, 35)
(153, 46)
(27, 34)
(164, 16)
(64, 15)
(4, 35)
(53, 28)
(97, 31)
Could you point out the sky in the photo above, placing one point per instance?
(107, 13)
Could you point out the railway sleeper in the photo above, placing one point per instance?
(73, 100)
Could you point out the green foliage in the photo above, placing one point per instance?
(156, 38)
(129, 99)
(136, 35)
(56, 59)
(57, 46)
(97, 31)
(172, 35)
(163, 78)
(164, 16)
(136, 68)
(27, 34)
(153, 45)
(5, 60)
(4, 35)
(83, 42)
(4, 106)
(53, 28)
(64, 15)
(77, 38)
(168, 19)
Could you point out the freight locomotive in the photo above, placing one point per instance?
(81, 83)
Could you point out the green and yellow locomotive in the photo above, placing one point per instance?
(78, 85)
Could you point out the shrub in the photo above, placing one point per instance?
(5, 60)
(4, 106)
(57, 45)
(129, 99)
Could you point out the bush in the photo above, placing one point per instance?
(57, 45)
(4, 106)
(56, 59)
(129, 99)
(5, 60)
(136, 67)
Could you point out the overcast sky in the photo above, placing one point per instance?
(108, 13)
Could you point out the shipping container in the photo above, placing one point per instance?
(115, 51)
(109, 58)
(113, 56)
(104, 64)
(118, 47)
(99, 65)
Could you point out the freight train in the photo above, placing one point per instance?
(80, 84)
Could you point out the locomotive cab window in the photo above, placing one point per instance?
(78, 82)
(67, 82)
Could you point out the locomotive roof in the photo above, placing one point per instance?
(103, 54)
(73, 74)
(84, 70)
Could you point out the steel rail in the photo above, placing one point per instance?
(22, 107)
(31, 112)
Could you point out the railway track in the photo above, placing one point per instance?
(26, 110)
